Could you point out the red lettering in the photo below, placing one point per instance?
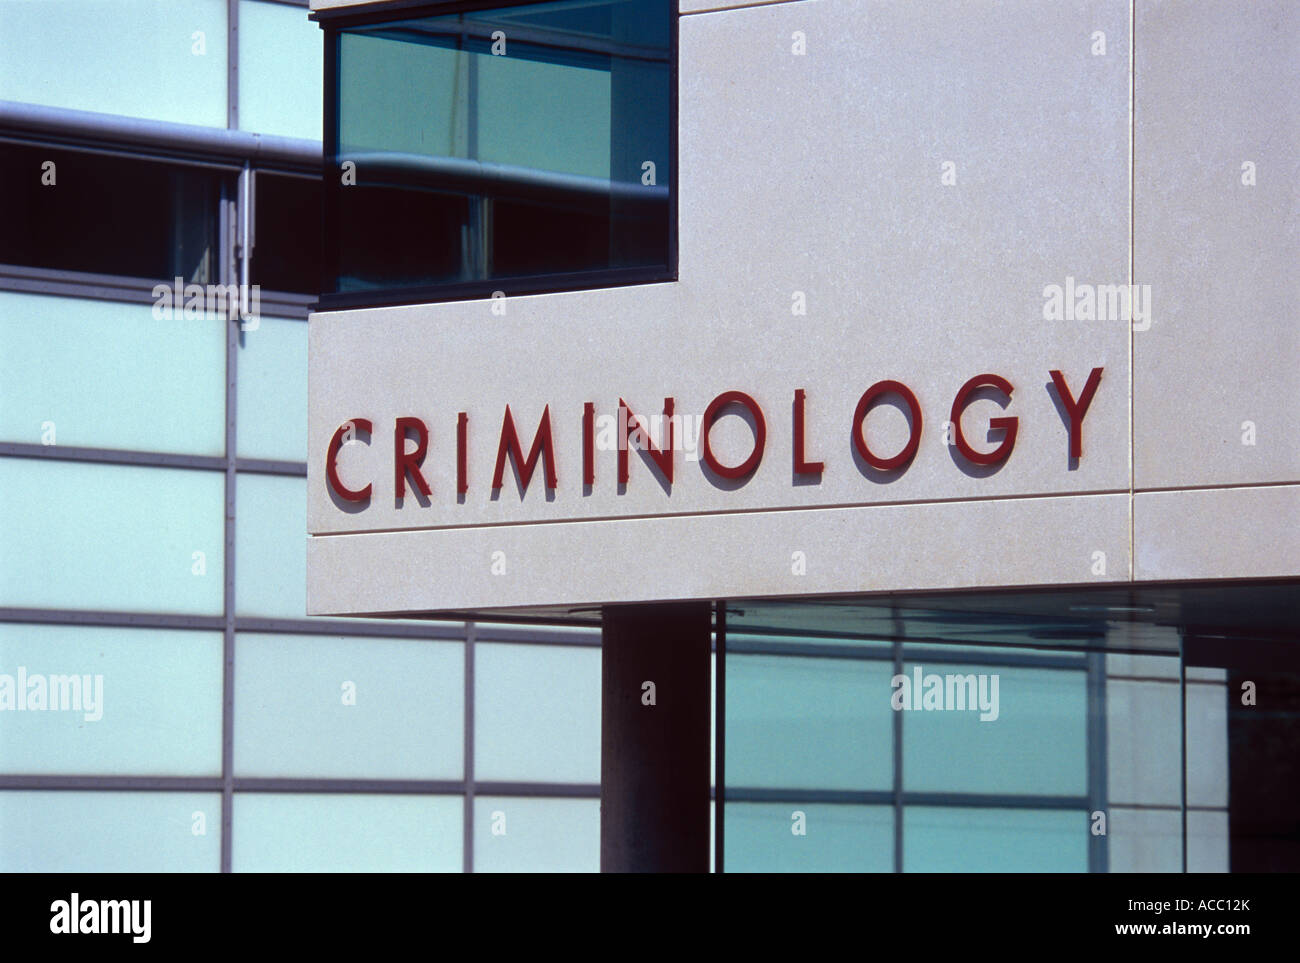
(662, 458)
(1075, 410)
(859, 417)
(801, 465)
(331, 461)
(588, 444)
(543, 447)
(462, 458)
(711, 413)
(404, 461)
(1002, 451)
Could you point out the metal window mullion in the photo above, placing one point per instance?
(467, 837)
(228, 635)
(232, 64)
(1098, 790)
(720, 737)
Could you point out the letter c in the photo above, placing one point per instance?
(331, 461)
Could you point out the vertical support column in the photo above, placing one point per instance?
(654, 754)
(1098, 791)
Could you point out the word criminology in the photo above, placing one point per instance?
(628, 431)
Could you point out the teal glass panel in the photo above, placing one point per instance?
(272, 391)
(280, 57)
(521, 835)
(795, 837)
(537, 713)
(109, 832)
(106, 701)
(271, 546)
(808, 723)
(105, 374)
(344, 833)
(364, 708)
(951, 840)
(513, 143)
(1031, 739)
(119, 538)
(159, 59)
(552, 117)
(271, 550)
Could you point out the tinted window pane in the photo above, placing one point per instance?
(110, 832)
(336, 833)
(271, 546)
(796, 837)
(941, 840)
(108, 214)
(272, 390)
(107, 374)
(811, 723)
(315, 706)
(515, 835)
(161, 59)
(279, 70)
(544, 152)
(537, 713)
(287, 252)
(1032, 739)
(114, 537)
(143, 701)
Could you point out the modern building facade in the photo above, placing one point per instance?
(153, 470)
(892, 332)
(828, 244)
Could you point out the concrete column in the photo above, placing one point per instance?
(654, 754)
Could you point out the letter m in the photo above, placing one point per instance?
(961, 691)
(543, 447)
(1111, 300)
(119, 911)
(65, 692)
(223, 299)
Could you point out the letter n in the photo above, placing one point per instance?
(663, 458)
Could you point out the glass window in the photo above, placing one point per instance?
(796, 837)
(528, 147)
(119, 538)
(809, 723)
(106, 374)
(109, 832)
(280, 54)
(1032, 739)
(160, 59)
(108, 213)
(1143, 743)
(271, 545)
(316, 706)
(519, 835)
(114, 700)
(338, 833)
(287, 245)
(536, 713)
(272, 391)
(951, 840)
(271, 548)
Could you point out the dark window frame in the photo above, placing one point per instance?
(334, 20)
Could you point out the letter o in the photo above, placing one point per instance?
(711, 413)
(860, 416)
